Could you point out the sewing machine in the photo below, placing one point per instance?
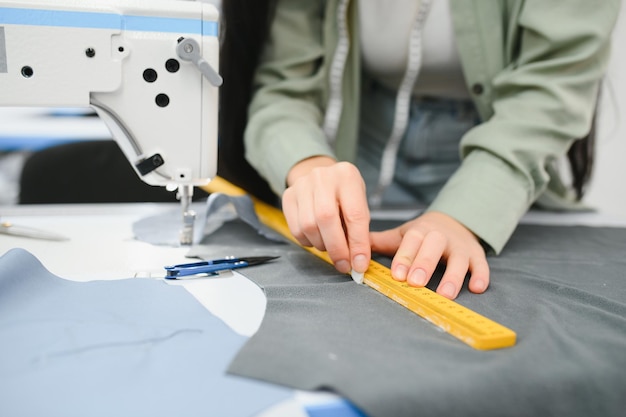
(147, 67)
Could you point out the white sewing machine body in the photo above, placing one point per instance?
(122, 58)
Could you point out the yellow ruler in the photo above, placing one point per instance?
(468, 326)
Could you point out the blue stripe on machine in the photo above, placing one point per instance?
(96, 20)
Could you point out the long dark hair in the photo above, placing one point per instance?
(581, 158)
(245, 25)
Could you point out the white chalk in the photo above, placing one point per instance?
(357, 276)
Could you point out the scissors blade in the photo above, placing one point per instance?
(213, 267)
(257, 260)
(9, 228)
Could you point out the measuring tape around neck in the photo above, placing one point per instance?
(466, 325)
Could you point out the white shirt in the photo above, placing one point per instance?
(385, 29)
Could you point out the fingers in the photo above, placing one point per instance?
(356, 221)
(313, 216)
(432, 240)
(328, 209)
(454, 276)
(328, 216)
(291, 210)
(416, 267)
(456, 271)
(479, 279)
(417, 270)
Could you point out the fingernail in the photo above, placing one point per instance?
(342, 266)
(399, 272)
(360, 263)
(479, 286)
(418, 278)
(447, 290)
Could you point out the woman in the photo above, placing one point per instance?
(348, 105)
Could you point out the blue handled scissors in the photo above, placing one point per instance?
(214, 266)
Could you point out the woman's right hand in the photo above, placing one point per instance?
(326, 207)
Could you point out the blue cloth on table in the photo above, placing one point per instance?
(129, 347)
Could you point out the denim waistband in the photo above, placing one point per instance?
(429, 151)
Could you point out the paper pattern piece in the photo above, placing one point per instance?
(132, 347)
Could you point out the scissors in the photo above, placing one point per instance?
(9, 228)
(214, 266)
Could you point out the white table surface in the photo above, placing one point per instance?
(101, 246)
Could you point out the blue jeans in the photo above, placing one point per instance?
(429, 151)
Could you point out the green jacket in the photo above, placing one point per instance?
(534, 69)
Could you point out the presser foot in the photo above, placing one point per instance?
(186, 233)
(185, 193)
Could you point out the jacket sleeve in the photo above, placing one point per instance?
(540, 101)
(286, 112)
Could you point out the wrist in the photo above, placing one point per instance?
(305, 166)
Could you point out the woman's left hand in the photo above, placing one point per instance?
(419, 245)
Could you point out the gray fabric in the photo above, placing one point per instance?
(241, 207)
(114, 348)
(164, 228)
(562, 289)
